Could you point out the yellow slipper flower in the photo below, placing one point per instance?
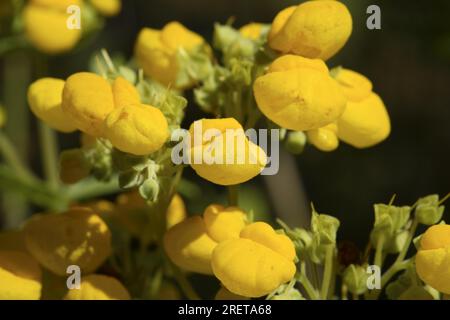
(88, 99)
(313, 29)
(252, 30)
(156, 50)
(325, 138)
(138, 129)
(20, 276)
(176, 212)
(46, 26)
(107, 8)
(256, 263)
(44, 98)
(433, 258)
(98, 287)
(299, 95)
(223, 223)
(356, 86)
(124, 93)
(221, 153)
(76, 237)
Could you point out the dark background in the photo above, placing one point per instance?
(408, 61)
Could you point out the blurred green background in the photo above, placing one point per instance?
(408, 61)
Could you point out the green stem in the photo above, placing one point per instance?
(327, 274)
(49, 155)
(233, 196)
(12, 159)
(185, 284)
(405, 248)
(304, 281)
(379, 252)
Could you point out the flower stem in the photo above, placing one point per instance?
(233, 195)
(49, 154)
(327, 274)
(379, 252)
(405, 248)
(12, 159)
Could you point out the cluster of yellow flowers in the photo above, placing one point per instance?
(46, 26)
(250, 259)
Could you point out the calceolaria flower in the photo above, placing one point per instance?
(44, 98)
(220, 152)
(20, 276)
(299, 94)
(107, 8)
(365, 121)
(46, 28)
(253, 30)
(98, 287)
(313, 29)
(190, 243)
(325, 138)
(156, 50)
(433, 258)
(78, 236)
(256, 263)
(176, 212)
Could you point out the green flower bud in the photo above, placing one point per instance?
(295, 142)
(355, 278)
(325, 226)
(149, 190)
(397, 243)
(428, 211)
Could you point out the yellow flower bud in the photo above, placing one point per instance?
(47, 30)
(223, 223)
(156, 50)
(433, 258)
(325, 138)
(224, 160)
(88, 99)
(44, 98)
(107, 8)
(189, 246)
(313, 29)
(252, 30)
(137, 129)
(98, 287)
(176, 212)
(255, 264)
(124, 93)
(76, 237)
(356, 87)
(299, 95)
(20, 276)
(364, 123)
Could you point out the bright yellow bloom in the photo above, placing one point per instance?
(252, 30)
(60, 5)
(137, 129)
(364, 123)
(20, 276)
(156, 50)
(325, 138)
(124, 93)
(44, 98)
(190, 243)
(107, 8)
(433, 258)
(298, 94)
(88, 99)
(221, 153)
(256, 263)
(176, 212)
(46, 26)
(77, 236)
(98, 287)
(356, 87)
(313, 29)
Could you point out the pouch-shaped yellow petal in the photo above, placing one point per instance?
(137, 129)
(98, 287)
(76, 237)
(356, 87)
(250, 269)
(47, 30)
(88, 99)
(437, 236)
(221, 153)
(189, 246)
(264, 234)
(314, 29)
(433, 267)
(289, 62)
(325, 138)
(20, 276)
(107, 8)
(44, 98)
(252, 30)
(124, 93)
(223, 223)
(364, 123)
(299, 99)
(174, 35)
(176, 212)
